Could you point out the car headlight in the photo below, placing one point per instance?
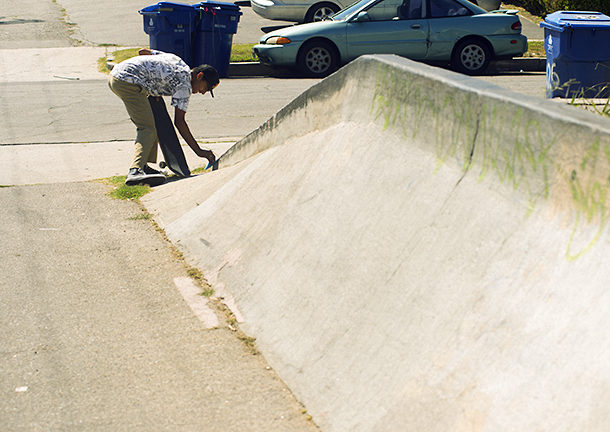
(277, 40)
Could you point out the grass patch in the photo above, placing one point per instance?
(119, 56)
(101, 65)
(127, 193)
(123, 192)
(242, 53)
(535, 49)
(124, 54)
(239, 53)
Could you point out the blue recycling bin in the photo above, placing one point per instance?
(214, 35)
(171, 28)
(577, 46)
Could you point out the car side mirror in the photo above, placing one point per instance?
(362, 17)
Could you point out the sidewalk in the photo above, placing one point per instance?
(61, 123)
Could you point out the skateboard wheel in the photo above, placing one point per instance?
(162, 164)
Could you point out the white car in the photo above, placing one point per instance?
(300, 11)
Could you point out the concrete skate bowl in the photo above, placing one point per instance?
(416, 250)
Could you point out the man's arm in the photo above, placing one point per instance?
(183, 128)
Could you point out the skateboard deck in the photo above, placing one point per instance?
(168, 139)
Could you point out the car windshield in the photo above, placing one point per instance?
(350, 10)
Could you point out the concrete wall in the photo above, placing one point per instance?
(418, 250)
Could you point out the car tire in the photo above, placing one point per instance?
(471, 57)
(317, 59)
(320, 11)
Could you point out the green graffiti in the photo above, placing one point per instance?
(589, 194)
(525, 164)
(469, 132)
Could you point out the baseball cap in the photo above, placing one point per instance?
(211, 76)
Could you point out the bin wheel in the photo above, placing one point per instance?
(162, 164)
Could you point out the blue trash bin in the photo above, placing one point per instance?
(214, 36)
(171, 28)
(577, 46)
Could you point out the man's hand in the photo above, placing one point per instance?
(208, 154)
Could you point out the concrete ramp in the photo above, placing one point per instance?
(416, 250)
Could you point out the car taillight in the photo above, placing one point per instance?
(516, 26)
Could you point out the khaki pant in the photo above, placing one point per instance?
(135, 99)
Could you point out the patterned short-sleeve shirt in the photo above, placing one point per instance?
(161, 74)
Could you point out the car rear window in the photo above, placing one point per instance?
(447, 8)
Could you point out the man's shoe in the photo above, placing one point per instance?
(135, 176)
(150, 170)
(138, 176)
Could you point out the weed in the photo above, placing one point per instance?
(195, 274)
(231, 320)
(593, 99)
(198, 170)
(250, 343)
(208, 292)
(141, 216)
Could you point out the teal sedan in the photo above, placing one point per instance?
(433, 31)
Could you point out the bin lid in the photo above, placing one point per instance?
(568, 20)
(168, 7)
(223, 6)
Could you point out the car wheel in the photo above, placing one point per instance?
(471, 57)
(321, 11)
(317, 59)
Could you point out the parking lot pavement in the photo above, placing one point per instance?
(528, 83)
(123, 25)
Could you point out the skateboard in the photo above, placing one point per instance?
(168, 139)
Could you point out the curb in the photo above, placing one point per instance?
(253, 69)
(245, 69)
(256, 69)
(529, 64)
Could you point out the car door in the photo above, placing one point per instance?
(449, 21)
(389, 27)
